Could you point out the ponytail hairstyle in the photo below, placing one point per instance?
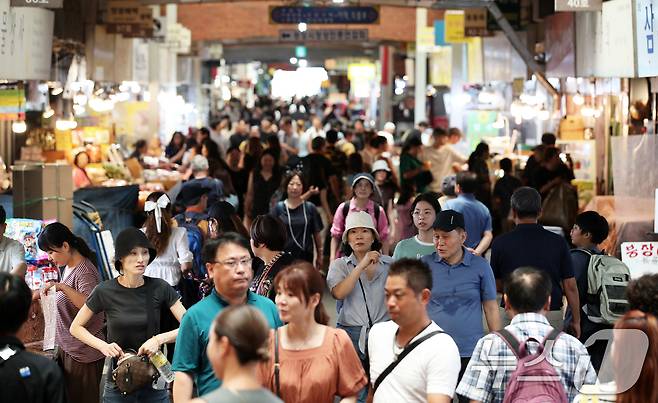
(303, 280)
(247, 331)
(159, 240)
(55, 234)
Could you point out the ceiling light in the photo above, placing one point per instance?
(302, 27)
(293, 60)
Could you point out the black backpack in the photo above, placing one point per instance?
(377, 212)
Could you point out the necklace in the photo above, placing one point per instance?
(264, 284)
(303, 344)
(303, 245)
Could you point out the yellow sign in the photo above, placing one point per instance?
(454, 23)
(63, 140)
(475, 62)
(441, 66)
(425, 39)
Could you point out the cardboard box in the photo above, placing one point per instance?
(43, 191)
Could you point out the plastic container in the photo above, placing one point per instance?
(163, 365)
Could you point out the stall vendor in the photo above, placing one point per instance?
(80, 177)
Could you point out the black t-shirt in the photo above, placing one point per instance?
(532, 245)
(304, 217)
(543, 175)
(504, 189)
(28, 377)
(125, 309)
(317, 170)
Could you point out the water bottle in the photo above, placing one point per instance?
(163, 365)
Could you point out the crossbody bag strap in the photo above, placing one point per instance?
(277, 366)
(365, 301)
(404, 353)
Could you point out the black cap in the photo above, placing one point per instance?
(129, 239)
(191, 192)
(448, 220)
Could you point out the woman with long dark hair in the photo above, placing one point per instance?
(81, 364)
(132, 304)
(412, 169)
(218, 169)
(176, 148)
(301, 218)
(306, 347)
(263, 183)
(223, 218)
(173, 256)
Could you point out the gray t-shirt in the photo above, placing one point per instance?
(353, 311)
(223, 395)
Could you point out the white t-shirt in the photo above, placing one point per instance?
(167, 264)
(431, 368)
(12, 254)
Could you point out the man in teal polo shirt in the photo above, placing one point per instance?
(229, 264)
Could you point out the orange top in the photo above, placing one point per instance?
(318, 374)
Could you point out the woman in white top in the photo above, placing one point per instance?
(423, 213)
(173, 254)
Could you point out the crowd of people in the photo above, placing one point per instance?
(229, 270)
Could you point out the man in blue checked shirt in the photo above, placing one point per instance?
(527, 297)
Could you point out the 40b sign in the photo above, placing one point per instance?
(38, 3)
(578, 5)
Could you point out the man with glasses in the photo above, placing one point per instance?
(463, 287)
(228, 261)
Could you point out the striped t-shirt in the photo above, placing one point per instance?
(83, 278)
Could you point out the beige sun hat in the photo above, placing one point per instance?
(359, 219)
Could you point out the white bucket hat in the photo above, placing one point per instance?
(380, 165)
(359, 219)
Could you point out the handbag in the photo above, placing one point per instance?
(134, 371)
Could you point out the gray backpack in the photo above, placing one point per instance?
(607, 279)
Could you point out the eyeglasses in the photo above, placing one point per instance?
(234, 263)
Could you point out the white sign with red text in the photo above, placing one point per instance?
(640, 257)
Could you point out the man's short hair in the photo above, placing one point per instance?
(332, 136)
(317, 143)
(15, 301)
(506, 165)
(526, 202)
(595, 224)
(528, 289)
(417, 274)
(377, 141)
(210, 248)
(548, 139)
(642, 294)
(439, 132)
(3, 215)
(467, 181)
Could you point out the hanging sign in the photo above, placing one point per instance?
(475, 22)
(578, 5)
(324, 15)
(38, 3)
(454, 23)
(640, 257)
(319, 35)
(646, 37)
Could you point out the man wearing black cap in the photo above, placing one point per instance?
(463, 285)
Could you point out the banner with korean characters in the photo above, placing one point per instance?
(646, 37)
(640, 257)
